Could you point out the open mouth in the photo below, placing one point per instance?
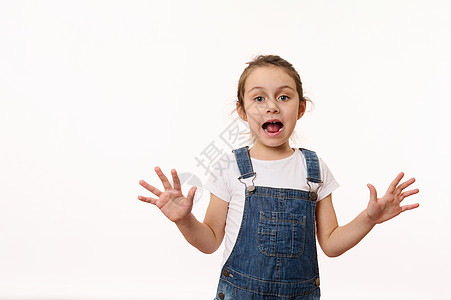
(272, 126)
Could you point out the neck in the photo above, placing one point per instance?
(264, 152)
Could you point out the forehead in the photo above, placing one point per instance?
(268, 77)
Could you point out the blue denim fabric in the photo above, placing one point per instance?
(274, 256)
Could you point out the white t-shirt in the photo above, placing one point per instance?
(289, 172)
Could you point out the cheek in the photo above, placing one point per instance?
(254, 110)
(293, 115)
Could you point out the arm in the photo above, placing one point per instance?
(206, 236)
(336, 240)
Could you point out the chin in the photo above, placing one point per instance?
(273, 143)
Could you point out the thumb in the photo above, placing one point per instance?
(373, 192)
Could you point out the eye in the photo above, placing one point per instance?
(284, 98)
(259, 99)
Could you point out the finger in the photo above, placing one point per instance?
(150, 188)
(403, 185)
(191, 193)
(163, 178)
(409, 207)
(148, 199)
(407, 194)
(373, 192)
(395, 183)
(176, 180)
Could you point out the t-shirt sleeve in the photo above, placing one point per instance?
(329, 183)
(216, 184)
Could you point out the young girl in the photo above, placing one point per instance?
(273, 199)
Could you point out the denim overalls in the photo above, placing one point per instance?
(274, 256)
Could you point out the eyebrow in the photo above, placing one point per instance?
(278, 89)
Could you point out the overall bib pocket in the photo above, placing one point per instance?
(281, 234)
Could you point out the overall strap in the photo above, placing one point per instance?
(245, 165)
(244, 162)
(313, 172)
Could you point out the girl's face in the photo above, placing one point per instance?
(271, 106)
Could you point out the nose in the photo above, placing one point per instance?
(272, 107)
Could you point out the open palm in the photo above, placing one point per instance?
(172, 203)
(389, 206)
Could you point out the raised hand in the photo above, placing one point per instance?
(389, 206)
(171, 201)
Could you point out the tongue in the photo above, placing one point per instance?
(273, 127)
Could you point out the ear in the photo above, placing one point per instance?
(302, 108)
(241, 112)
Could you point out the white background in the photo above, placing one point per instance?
(95, 94)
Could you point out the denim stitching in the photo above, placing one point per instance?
(314, 288)
(240, 233)
(231, 270)
(273, 240)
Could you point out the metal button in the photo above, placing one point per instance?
(225, 273)
(313, 196)
(317, 281)
(221, 295)
(251, 189)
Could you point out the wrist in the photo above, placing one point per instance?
(184, 221)
(366, 218)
